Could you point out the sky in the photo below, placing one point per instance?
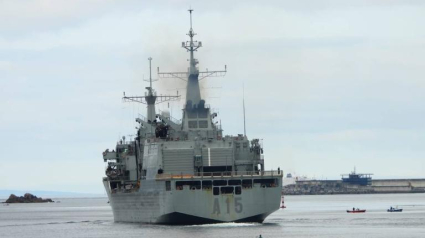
(329, 85)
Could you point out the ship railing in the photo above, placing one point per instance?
(172, 119)
(127, 142)
(125, 184)
(175, 121)
(121, 179)
(224, 174)
(142, 117)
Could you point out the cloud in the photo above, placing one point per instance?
(20, 17)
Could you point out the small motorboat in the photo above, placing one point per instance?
(392, 209)
(356, 211)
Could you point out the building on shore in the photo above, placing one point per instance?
(354, 183)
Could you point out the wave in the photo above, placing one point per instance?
(227, 225)
(55, 223)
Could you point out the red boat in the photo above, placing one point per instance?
(356, 211)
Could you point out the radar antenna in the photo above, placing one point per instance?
(150, 98)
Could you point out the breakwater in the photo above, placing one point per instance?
(317, 187)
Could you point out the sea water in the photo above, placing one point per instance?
(305, 216)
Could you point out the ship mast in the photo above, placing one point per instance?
(150, 97)
(193, 75)
(243, 103)
(193, 93)
(192, 46)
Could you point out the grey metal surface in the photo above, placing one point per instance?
(152, 201)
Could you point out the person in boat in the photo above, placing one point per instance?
(354, 209)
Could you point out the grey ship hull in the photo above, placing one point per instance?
(153, 204)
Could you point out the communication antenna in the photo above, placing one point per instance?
(150, 80)
(190, 12)
(150, 98)
(243, 103)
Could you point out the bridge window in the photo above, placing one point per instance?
(226, 190)
(216, 191)
(238, 190)
(207, 184)
(267, 182)
(219, 169)
(191, 184)
(220, 182)
(193, 124)
(203, 124)
(235, 182)
(247, 183)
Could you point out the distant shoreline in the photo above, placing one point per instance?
(4, 194)
(377, 186)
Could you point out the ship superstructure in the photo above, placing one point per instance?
(187, 171)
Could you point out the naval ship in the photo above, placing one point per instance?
(186, 171)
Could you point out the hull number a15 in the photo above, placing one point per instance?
(237, 201)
